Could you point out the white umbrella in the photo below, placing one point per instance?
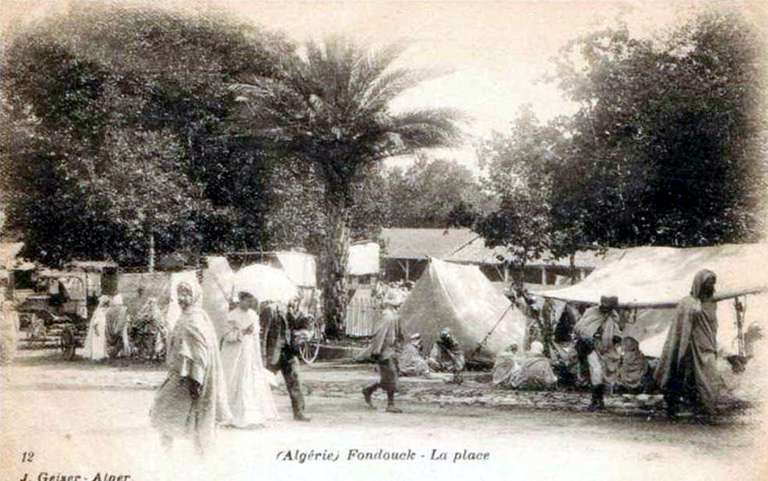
(265, 283)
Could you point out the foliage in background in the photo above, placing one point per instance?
(434, 193)
(663, 150)
(114, 131)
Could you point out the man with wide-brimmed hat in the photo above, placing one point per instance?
(598, 336)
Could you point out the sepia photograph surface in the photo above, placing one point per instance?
(522, 240)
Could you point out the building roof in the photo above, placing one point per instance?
(419, 244)
(476, 252)
(467, 247)
(96, 266)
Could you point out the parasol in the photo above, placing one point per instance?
(265, 283)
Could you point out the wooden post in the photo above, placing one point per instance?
(407, 270)
(544, 275)
(739, 307)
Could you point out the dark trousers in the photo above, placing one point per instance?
(388, 379)
(289, 367)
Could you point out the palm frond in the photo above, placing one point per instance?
(427, 128)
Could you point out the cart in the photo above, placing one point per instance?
(57, 317)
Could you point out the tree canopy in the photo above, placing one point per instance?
(434, 193)
(115, 127)
(664, 148)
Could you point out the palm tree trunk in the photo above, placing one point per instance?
(336, 254)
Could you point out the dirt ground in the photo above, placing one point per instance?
(91, 420)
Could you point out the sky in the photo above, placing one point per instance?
(496, 52)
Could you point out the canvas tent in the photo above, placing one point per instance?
(299, 267)
(218, 290)
(461, 298)
(649, 281)
(363, 259)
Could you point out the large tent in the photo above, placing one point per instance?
(218, 290)
(461, 298)
(299, 267)
(649, 281)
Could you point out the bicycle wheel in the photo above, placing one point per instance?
(309, 351)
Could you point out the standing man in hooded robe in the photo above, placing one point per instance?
(598, 336)
(384, 349)
(193, 398)
(687, 364)
(96, 339)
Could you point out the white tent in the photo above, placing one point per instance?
(363, 259)
(461, 298)
(649, 281)
(218, 290)
(299, 266)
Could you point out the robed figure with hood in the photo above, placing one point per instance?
(384, 349)
(687, 364)
(193, 399)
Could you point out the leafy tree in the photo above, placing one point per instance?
(434, 193)
(330, 108)
(92, 95)
(664, 148)
(295, 217)
(519, 174)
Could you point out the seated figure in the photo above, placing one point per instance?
(446, 356)
(530, 370)
(410, 360)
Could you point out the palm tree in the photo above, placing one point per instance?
(330, 107)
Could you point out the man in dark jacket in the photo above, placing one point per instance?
(285, 329)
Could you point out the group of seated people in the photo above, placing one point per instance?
(533, 368)
(445, 357)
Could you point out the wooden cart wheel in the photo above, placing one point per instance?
(310, 349)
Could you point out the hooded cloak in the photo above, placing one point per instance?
(193, 353)
(687, 362)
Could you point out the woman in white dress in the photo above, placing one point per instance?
(248, 389)
(96, 338)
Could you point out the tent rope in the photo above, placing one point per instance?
(487, 336)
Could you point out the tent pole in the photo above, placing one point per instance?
(739, 307)
(407, 270)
